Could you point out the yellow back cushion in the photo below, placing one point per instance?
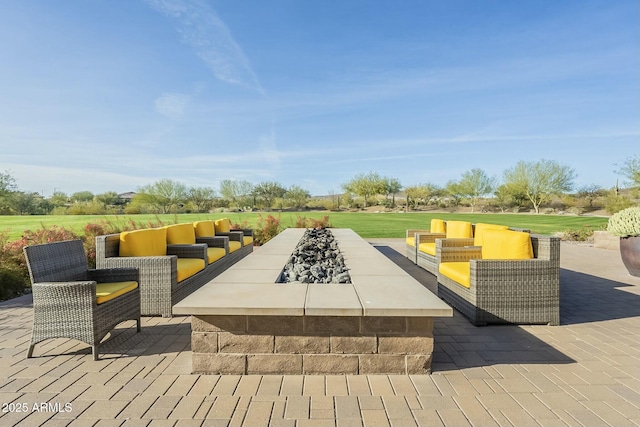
(223, 225)
(147, 242)
(437, 226)
(479, 231)
(181, 234)
(204, 229)
(506, 244)
(459, 229)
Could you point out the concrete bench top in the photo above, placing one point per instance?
(379, 287)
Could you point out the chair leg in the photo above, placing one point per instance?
(94, 349)
(138, 324)
(30, 351)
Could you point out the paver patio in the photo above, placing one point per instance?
(585, 372)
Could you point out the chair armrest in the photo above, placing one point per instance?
(106, 275)
(455, 243)
(245, 231)
(235, 236)
(215, 242)
(76, 295)
(428, 237)
(198, 250)
(412, 231)
(458, 254)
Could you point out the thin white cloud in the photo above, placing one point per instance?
(172, 105)
(202, 29)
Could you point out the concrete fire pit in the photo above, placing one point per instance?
(243, 322)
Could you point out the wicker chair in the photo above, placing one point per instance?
(507, 291)
(65, 300)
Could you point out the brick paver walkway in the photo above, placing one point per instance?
(585, 372)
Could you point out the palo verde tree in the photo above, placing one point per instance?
(165, 195)
(539, 180)
(269, 191)
(366, 186)
(235, 190)
(475, 184)
(630, 169)
(201, 197)
(420, 193)
(298, 196)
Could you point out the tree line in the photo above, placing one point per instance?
(528, 183)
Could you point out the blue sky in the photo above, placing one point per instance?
(113, 95)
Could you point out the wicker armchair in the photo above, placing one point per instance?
(65, 300)
(506, 291)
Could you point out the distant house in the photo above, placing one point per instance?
(126, 197)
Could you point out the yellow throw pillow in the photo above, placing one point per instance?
(506, 244)
(147, 242)
(438, 226)
(204, 228)
(479, 231)
(459, 229)
(223, 225)
(181, 234)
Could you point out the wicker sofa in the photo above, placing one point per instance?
(170, 266)
(426, 256)
(503, 283)
(436, 230)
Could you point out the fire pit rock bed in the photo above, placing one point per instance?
(244, 322)
(316, 259)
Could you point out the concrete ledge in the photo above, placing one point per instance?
(604, 240)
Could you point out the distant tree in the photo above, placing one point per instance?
(201, 197)
(475, 184)
(455, 192)
(165, 194)
(590, 193)
(58, 198)
(365, 186)
(392, 187)
(298, 196)
(235, 190)
(630, 169)
(420, 193)
(7, 189)
(110, 198)
(504, 198)
(540, 180)
(82, 196)
(268, 191)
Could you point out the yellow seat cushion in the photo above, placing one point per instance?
(428, 248)
(187, 267)
(234, 246)
(181, 234)
(411, 241)
(204, 228)
(459, 272)
(247, 240)
(438, 226)
(146, 242)
(481, 227)
(459, 229)
(223, 225)
(108, 291)
(214, 254)
(506, 244)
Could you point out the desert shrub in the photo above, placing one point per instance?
(615, 203)
(320, 223)
(576, 210)
(582, 234)
(266, 229)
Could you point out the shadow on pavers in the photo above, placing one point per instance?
(460, 345)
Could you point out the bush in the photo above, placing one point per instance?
(12, 283)
(266, 229)
(304, 222)
(615, 203)
(582, 234)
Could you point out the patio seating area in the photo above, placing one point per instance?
(584, 372)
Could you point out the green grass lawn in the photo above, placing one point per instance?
(365, 224)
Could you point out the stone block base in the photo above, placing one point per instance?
(326, 345)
